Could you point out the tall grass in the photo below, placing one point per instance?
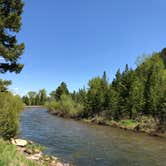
(10, 157)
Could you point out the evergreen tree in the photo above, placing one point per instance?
(115, 96)
(135, 99)
(42, 96)
(155, 83)
(61, 90)
(10, 24)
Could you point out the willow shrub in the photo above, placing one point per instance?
(10, 107)
(66, 107)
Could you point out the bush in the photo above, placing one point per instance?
(147, 123)
(66, 107)
(10, 107)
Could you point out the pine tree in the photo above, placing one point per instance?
(136, 99)
(154, 85)
(10, 24)
(115, 96)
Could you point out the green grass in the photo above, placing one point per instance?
(128, 123)
(10, 157)
(35, 146)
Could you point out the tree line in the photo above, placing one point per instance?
(35, 98)
(132, 93)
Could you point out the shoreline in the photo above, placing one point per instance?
(111, 123)
(34, 152)
(35, 106)
(102, 122)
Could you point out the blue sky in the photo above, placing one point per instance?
(75, 40)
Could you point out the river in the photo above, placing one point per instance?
(91, 145)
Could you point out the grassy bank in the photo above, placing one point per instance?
(18, 152)
(145, 124)
(9, 156)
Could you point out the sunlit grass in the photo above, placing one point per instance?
(10, 157)
(128, 123)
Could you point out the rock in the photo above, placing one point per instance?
(153, 133)
(54, 158)
(28, 151)
(19, 142)
(37, 151)
(59, 164)
(136, 128)
(47, 159)
(114, 124)
(13, 141)
(30, 142)
(21, 149)
(66, 164)
(53, 162)
(35, 156)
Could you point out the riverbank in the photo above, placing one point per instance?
(143, 124)
(26, 153)
(33, 106)
(89, 144)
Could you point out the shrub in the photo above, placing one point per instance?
(10, 107)
(147, 123)
(66, 107)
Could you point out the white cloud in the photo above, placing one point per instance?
(16, 91)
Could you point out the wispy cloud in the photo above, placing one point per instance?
(16, 91)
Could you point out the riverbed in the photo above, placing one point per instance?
(88, 144)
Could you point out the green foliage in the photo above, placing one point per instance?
(26, 100)
(4, 85)
(61, 90)
(66, 107)
(80, 96)
(116, 98)
(97, 97)
(10, 107)
(10, 24)
(10, 156)
(131, 95)
(128, 123)
(31, 95)
(41, 97)
(33, 98)
(33, 147)
(162, 116)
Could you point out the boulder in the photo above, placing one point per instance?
(19, 142)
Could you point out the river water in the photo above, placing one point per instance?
(91, 145)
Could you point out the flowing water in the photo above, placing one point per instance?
(91, 145)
